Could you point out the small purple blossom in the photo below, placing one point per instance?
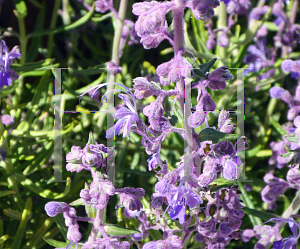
(291, 241)
(184, 196)
(7, 119)
(6, 74)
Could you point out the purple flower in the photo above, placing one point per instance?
(174, 70)
(275, 187)
(130, 199)
(184, 196)
(292, 66)
(99, 192)
(7, 119)
(103, 5)
(238, 7)
(260, 57)
(291, 241)
(126, 116)
(6, 74)
(231, 170)
(151, 25)
(294, 103)
(202, 9)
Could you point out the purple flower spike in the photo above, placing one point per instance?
(7, 119)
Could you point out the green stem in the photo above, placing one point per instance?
(52, 25)
(23, 38)
(118, 31)
(222, 23)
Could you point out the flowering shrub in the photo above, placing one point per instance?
(171, 167)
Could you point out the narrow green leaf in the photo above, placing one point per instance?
(78, 202)
(210, 134)
(9, 89)
(46, 193)
(293, 139)
(60, 222)
(264, 153)
(55, 243)
(3, 239)
(92, 212)
(74, 25)
(22, 227)
(205, 67)
(49, 134)
(102, 18)
(286, 154)
(255, 220)
(13, 214)
(116, 230)
(221, 182)
(271, 26)
(176, 113)
(32, 66)
(6, 192)
(278, 127)
(38, 235)
(259, 214)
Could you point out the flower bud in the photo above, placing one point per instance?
(54, 208)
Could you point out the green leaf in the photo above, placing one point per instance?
(6, 192)
(49, 134)
(278, 127)
(46, 193)
(246, 197)
(205, 67)
(102, 18)
(4, 91)
(32, 66)
(264, 153)
(92, 212)
(293, 139)
(78, 202)
(176, 113)
(210, 134)
(3, 239)
(221, 182)
(259, 214)
(26, 214)
(55, 243)
(116, 230)
(286, 154)
(271, 26)
(74, 25)
(13, 214)
(60, 221)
